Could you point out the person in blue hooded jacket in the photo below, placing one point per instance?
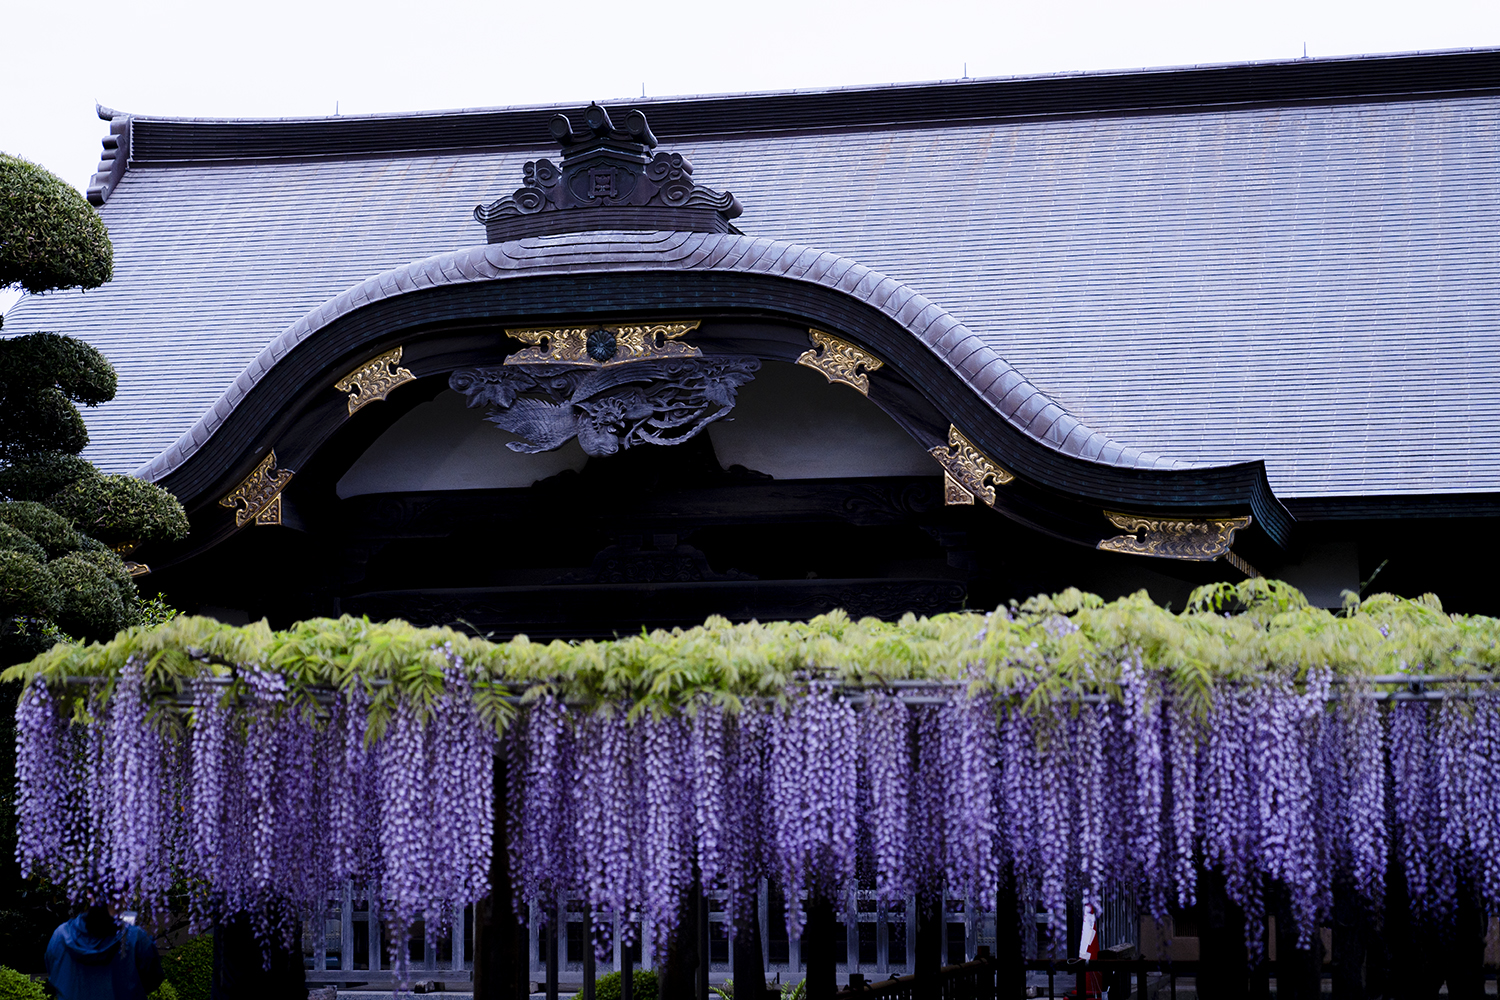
(95, 957)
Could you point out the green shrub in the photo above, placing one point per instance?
(119, 509)
(155, 611)
(15, 986)
(52, 237)
(91, 604)
(40, 420)
(40, 475)
(15, 540)
(26, 588)
(642, 980)
(45, 526)
(113, 567)
(166, 991)
(190, 968)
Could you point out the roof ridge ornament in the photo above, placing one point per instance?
(608, 180)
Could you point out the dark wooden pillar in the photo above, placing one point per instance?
(817, 949)
(1348, 943)
(627, 974)
(1223, 967)
(705, 954)
(1413, 962)
(243, 971)
(588, 955)
(549, 955)
(1010, 945)
(746, 955)
(928, 958)
(1299, 971)
(500, 971)
(675, 974)
(1465, 945)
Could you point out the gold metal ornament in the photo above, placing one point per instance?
(374, 380)
(259, 495)
(967, 471)
(840, 361)
(602, 345)
(1173, 538)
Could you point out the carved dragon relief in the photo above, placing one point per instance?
(611, 387)
(1174, 538)
(374, 380)
(967, 471)
(840, 361)
(258, 495)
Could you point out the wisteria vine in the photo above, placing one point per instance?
(263, 783)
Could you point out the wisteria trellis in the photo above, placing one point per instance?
(260, 784)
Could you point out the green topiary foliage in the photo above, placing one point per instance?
(43, 525)
(27, 589)
(39, 420)
(13, 539)
(91, 604)
(43, 474)
(15, 986)
(50, 236)
(41, 376)
(113, 567)
(52, 361)
(166, 991)
(190, 968)
(644, 985)
(119, 509)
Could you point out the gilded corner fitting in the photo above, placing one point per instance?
(967, 471)
(258, 496)
(1174, 538)
(840, 361)
(374, 380)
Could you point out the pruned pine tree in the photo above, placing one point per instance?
(63, 523)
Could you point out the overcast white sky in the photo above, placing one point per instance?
(275, 58)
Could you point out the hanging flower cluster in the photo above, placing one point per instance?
(265, 802)
(1075, 747)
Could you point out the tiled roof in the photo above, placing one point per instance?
(1010, 393)
(1316, 285)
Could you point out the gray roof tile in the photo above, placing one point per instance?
(1307, 285)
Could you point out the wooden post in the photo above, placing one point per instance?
(240, 969)
(675, 974)
(928, 959)
(1465, 959)
(589, 973)
(747, 958)
(627, 969)
(1010, 951)
(500, 967)
(704, 955)
(1348, 943)
(1299, 971)
(551, 916)
(818, 957)
(1223, 970)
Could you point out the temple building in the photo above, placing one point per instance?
(573, 371)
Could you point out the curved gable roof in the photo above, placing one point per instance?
(1010, 394)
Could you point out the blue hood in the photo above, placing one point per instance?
(86, 948)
